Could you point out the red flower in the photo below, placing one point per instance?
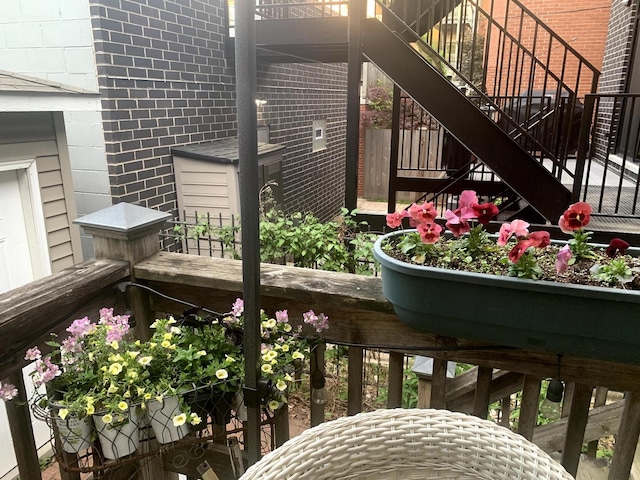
(484, 212)
(429, 232)
(539, 239)
(617, 245)
(517, 251)
(576, 217)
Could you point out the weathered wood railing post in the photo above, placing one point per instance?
(130, 233)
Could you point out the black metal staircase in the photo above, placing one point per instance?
(491, 109)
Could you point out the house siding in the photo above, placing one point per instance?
(33, 136)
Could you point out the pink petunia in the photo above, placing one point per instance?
(8, 392)
(33, 354)
(429, 232)
(562, 259)
(394, 220)
(282, 316)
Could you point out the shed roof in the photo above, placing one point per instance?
(224, 150)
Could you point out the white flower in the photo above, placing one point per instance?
(179, 420)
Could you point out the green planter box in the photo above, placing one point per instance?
(594, 322)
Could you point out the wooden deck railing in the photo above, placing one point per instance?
(360, 318)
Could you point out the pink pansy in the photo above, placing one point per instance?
(562, 260)
(429, 232)
(519, 228)
(468, 198)
(576, 217)
(517, 251)
(455, 224)
(504, 234)
(394, 220)
(424, 213)
(540, 239)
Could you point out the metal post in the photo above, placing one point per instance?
(245, 57)
(354, 74)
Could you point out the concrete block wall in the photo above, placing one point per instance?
(52, 40)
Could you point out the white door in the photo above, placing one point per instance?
(16, 269)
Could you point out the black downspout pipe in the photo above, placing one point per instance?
(246, 87)
(354, 74)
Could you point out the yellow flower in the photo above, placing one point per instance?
(179, 419)
(114, 345)
(63, 413)
(281, 385)
(274, 404)
(153, 325)
(137, 342)
(195, 419)
(91, 356)
(174, 330)
(271, 323)
(288, 377)
(147, 396)
(91, 409)
(159, 398)
(266, 368)
(90, 400)
(133, 354)
(112, 389)
(229, 359)
(140, 391)
(222, 374)
(201, 353)
(285, 348)
(165, 344)
(104, 368)
(145, 360)
(297, 355)
(132, 374)
(115, 368)
(287, 327)
(172, 347)
(171, 320)
(167, 336)
(107, 418)
(123, 406)
(153, 344)
(127, 394)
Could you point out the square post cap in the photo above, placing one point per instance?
(123, 221)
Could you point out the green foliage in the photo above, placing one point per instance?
(526, 267)
(580, 246)
(616, 271)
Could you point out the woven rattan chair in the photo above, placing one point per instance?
(407, 444)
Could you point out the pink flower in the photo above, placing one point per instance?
(517, 251)
(83, 326)
(33, 354)
(238, 307)
(319, 322)
(424, 213)
(617, 245)
(562, 260)
(455, 223)
(576, 217)
(429, 232)
(8, 392)
(540, 239)
(394, 220)
(282, 316)
(468, 198)
(519, 228)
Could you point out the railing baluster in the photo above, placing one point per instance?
(439, 383)
(578, 417)
(396, 377)
(483, 392)
(529, 406)
(354, 390)
(627, 438)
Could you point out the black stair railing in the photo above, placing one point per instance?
(513, 65)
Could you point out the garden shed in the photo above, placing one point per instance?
(207, 176)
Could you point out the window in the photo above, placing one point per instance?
(319, 135)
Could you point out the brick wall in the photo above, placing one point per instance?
(296, 95)
(582, 24)
(618, 47)
(166, 82)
